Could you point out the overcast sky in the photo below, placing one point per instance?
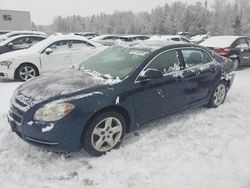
(44, 11)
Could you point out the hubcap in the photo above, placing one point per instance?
(27, 73)
(219, 94)
(106, 134)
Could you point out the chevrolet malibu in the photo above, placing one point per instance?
(115, 92)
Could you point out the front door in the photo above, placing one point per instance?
(200, 73)
(58, 58)
(158, 97)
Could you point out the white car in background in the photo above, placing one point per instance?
(53, 53)
(166, 38)
(16, 33)
(106, 40)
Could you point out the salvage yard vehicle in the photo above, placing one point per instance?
(236, 48)
(106, 40)
(133, 38)
(16, 33)
(166, 38)
(19, 42)
(116, 91)
(53, 53)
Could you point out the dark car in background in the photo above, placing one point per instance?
(133, 38)
(115, 92)
(236, 48)
(19, 42)
(88, 35)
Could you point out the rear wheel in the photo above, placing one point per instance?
(219, 95)
(236, 64)
(26, 72)
(104, 133)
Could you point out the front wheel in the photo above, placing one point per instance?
(26, 72)
(104, 133)
(218, 96)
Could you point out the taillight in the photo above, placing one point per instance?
(224, 52)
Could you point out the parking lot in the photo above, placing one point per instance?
(205, 147)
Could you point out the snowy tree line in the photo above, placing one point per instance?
(219, 19)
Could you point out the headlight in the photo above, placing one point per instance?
(53, 112)
(5, 63)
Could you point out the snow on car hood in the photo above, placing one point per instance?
(63, 82)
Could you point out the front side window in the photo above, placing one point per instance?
(195, 57)
(166, 62)
(60, 46)
(23, 42)
(241, 43)
(78, 44)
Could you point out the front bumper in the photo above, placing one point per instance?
(7, 73)
(62, 136)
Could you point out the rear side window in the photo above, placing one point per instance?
(166, 62)
(194, 57)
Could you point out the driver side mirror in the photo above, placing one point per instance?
(150, 74)
(48, 51)
(10, 45)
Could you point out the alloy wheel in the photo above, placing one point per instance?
(219, 94)
(106, 134)
(27, 72)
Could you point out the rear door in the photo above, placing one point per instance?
(200, 74)
(242, 46)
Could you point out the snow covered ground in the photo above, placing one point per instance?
(200, 148)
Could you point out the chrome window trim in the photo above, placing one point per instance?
(175, 72)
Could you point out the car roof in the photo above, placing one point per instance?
(19, 36)
(157, 45)
(220, 41)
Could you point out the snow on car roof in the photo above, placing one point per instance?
(154, 44)
(53, 38)
(18, 36)
(219, 41)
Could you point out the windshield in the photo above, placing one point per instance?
(41, 45)
(116, 62)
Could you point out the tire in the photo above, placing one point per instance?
(104, 133)
(236, 64)
(218, 95)
(26, 72)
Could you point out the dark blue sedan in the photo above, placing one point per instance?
(115, 92)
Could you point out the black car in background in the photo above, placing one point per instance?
(133, 38)
(115, 92)
(236, 48)
(19, 42)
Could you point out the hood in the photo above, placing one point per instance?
(60, 83)
(16, 54)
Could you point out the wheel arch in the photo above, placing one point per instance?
(26, 63)
(114, 108)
